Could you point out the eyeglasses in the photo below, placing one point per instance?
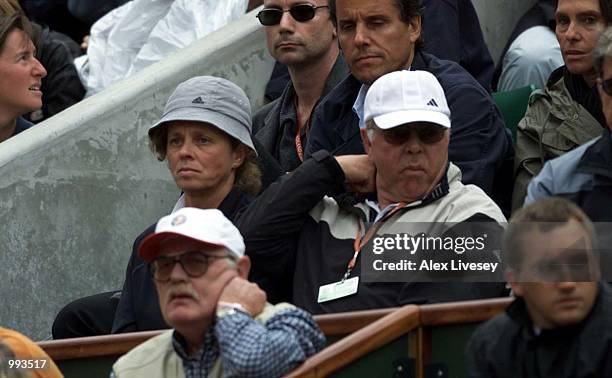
(300, 13)
(195, 264)
(606, 85)
(428, 133)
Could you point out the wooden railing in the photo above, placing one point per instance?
(339, 324)
(95, 346)
(365, 331)
(401, 321)
(360, 343)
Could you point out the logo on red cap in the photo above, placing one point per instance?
(178, 220)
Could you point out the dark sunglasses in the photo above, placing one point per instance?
(195, 264)
(606, 85)
(428, 133)
(300, 13)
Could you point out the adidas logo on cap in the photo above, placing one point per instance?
(197, 100)
(432, 102)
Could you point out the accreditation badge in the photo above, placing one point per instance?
(337, 290)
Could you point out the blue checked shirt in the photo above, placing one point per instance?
(248, 348)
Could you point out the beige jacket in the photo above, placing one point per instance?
(156, 357)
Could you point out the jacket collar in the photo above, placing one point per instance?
(517, 311)
(284, 109)
(439, 191)
(235, 201)
(21, 124)
(597, 159)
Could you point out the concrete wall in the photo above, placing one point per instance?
(77, 189)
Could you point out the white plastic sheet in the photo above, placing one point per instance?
(142, 32)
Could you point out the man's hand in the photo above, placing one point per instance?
(359, 171)
(85, 43)
(245, 293)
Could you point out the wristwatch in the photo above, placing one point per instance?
(229, 308)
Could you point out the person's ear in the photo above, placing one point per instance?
(367, 144)
(415, 27)
(239, 156)
(512, 279)
(243, 265)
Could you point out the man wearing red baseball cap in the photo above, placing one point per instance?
(221, 323)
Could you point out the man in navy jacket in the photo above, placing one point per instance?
(377, 38)
(452, 32)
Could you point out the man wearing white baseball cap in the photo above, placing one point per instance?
(411, 186)
(222, 325)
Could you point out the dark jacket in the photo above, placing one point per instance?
(61, 87)
(506, 346)
(21, 124)
(479, 142)
(275, 124)
(138, 308)
(298, 240)
(583, 176)
(451, 31)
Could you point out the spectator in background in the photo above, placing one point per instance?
(20, 75)
(567, 113)
(452, 32)
(559, 324)
(301, 35)
(584, 175)
(532, 52)
(18, 346)
(61, 87)
(223, 326)
(90, 11)
(55, 15)
(479, 144)
(205, 135)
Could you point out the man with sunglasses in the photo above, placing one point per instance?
(385, 36)
(299, 34)
(222, 325)
(302, 238)
(584, 175)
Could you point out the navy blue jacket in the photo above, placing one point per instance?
(21, 125)
(479, 142)
(451, 31)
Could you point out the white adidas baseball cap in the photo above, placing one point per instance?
(402, 97)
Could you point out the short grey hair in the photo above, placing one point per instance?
(370, 129)
(603, 50)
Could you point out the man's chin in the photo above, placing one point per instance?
(569, 317)
(182, 315)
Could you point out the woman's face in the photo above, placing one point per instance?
(200, 157)
(20, 75)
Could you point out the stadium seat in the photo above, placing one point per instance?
(513, 105)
